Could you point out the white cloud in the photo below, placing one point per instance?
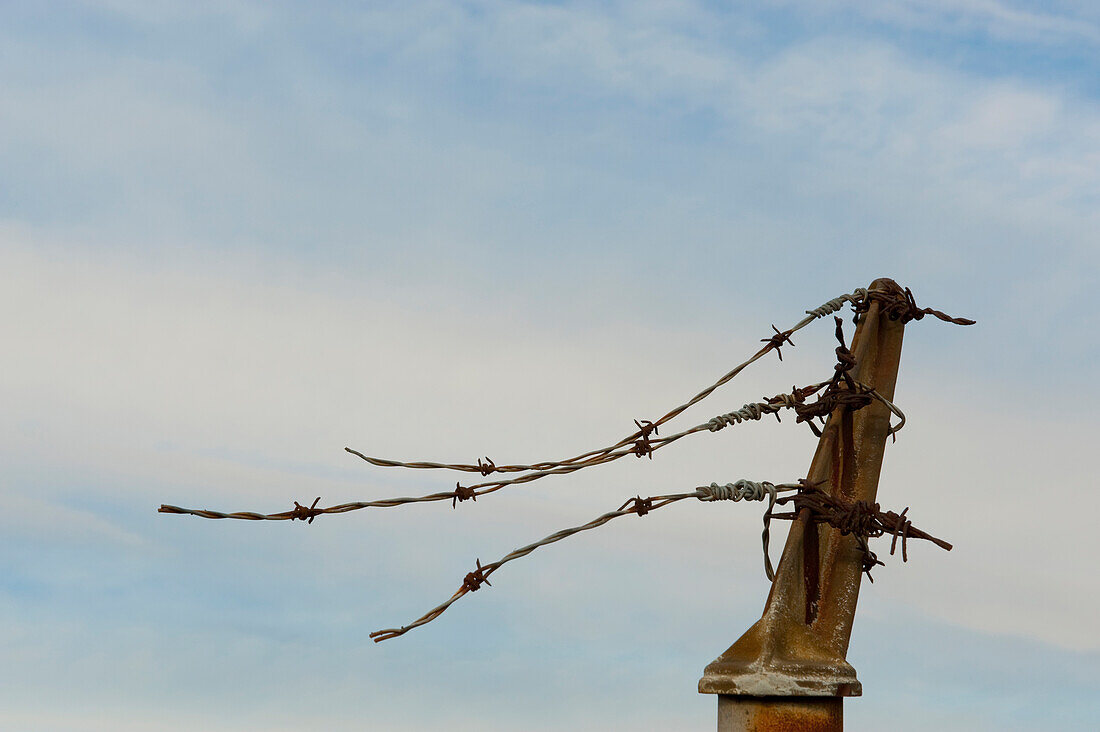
(599, 215)
(330, 151)
(1003, 20)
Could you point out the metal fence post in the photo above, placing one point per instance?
(789, 671)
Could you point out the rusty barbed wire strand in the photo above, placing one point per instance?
(853, 396)
(781, 338)
(640, 443)
(296, 514)
(859, 397)
(644, 446)
(843, 390)
(748, 412)
(899, 304)
(777, 340)
(862, 519)
(740, 490)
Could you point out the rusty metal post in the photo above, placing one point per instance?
(789, 671)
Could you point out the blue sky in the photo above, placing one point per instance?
(236, 237)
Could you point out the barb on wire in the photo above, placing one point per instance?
(306, 514)
(642, 446)
(741, 490)
(638, 505)
(475, 579)
(781, 338)
(463, 493)
(862, 519)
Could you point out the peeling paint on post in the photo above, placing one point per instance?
(789, 670)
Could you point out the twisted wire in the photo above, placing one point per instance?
(862, 519)
(461, 493)
(639, 443)
(742, 490)
(592, 457)
(771, 405)
(842, 391)
(739, 490)
(752, 491)
(294, 514)
(899, 304)
(834, 305)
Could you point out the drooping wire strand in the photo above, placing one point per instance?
(645, 428)
(749, 412)
(738, 491)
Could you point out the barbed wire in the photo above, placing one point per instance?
(841, 389)
(896, 302)
(899, 304)
(645, 427)
(642, 443)
(741, 490)
(863, 519)
(749, 412)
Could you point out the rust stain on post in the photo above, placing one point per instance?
(798, 647)
(780, 714)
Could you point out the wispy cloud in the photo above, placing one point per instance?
(1057, 22)
(237, 238)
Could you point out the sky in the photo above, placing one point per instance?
(238, 237)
